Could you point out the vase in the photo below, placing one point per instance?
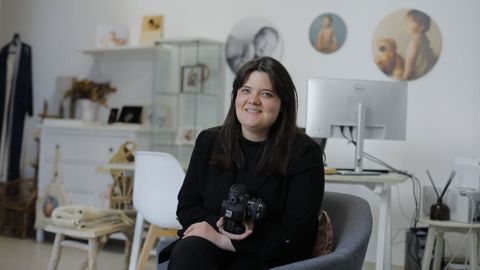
(88, 109)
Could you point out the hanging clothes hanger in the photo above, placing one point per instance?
(15, 39)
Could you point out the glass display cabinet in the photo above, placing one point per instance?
(188, 94)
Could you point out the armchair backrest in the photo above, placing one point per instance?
(352, 226)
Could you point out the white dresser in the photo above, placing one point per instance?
(84, 147)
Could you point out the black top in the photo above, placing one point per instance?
(292, 202)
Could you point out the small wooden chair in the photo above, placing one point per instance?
(97, 237)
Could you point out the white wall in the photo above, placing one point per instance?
(443, 116)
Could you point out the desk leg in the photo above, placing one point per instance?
(384, 249)
(427, 254)
(437, 258)
(473, 250)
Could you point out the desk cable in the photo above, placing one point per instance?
(417, 195)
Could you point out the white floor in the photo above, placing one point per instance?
(20, 254)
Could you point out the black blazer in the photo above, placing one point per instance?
(289, 231)
(22, 103)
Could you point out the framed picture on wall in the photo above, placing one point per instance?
(186, 135)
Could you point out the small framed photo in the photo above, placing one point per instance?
(131, 114)
(193, 77)
(152, 29)
(112, 117)
(111, 36)
(187, 135)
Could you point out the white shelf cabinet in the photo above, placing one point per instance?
(84, 149)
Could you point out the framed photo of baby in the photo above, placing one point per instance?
(327, 33)
(406, 44)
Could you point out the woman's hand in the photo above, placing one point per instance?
(248, 230)
(204, 230)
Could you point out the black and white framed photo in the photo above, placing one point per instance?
(252, 37)
(193, 77)
(113, 116)
(131, 114)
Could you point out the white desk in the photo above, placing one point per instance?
(380, 184)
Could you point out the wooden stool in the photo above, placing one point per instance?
(436, 229)
(97, 237)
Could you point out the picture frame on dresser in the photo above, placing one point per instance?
(131, 114)
(193, 77)
(186, 135)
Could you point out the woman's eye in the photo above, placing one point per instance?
(244, 90)
(267, 94)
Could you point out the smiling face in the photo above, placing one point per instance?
(257, 106)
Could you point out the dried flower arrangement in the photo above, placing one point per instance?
(86, 89)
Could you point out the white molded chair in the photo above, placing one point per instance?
(157, 180)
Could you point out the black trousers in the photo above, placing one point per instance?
(196, 253)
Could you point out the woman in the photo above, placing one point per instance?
(259, 146)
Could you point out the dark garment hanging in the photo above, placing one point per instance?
(20, 102)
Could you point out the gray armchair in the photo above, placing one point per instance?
(352, 225)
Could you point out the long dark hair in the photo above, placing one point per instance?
(276, 153)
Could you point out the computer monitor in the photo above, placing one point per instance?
(369, 109)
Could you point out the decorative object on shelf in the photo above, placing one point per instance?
(187, 135)
(193, 77)
(152, 29)
(406, 44)
(110, 36)
(89, 94)
(131, 114)
(55, 195)
(122, 188)
(112, 117)
(327, 33)
(439, 210)
(251, 38)
(88, 109)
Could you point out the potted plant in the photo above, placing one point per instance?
(89, 95)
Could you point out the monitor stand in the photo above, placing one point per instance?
(359, 145)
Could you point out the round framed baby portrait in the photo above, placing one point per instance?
(327, 33)
(251, 38)
(406, 44)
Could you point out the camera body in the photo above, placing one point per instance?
(239, 207)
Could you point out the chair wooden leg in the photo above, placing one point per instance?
(56, 251)
(128, 247)
(154, 232)
(92, 253)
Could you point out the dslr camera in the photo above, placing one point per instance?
(239, 207)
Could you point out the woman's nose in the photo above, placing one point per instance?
(254, 99)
